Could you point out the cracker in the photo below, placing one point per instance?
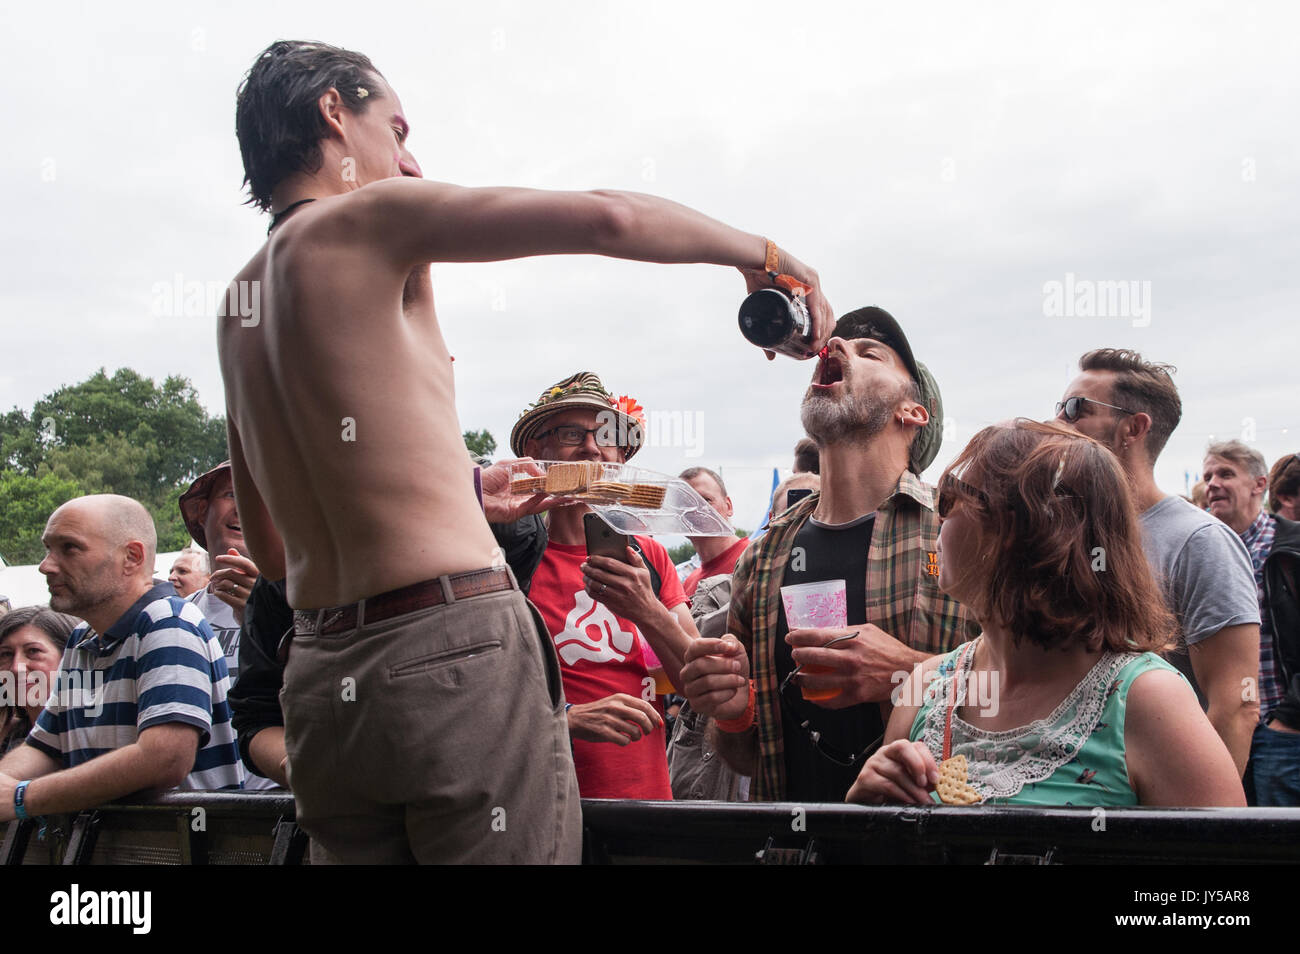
(527, 484)
(566, 478)
(610, 489)
(953, 787)
(646, 495)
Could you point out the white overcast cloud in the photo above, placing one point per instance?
(944, 161)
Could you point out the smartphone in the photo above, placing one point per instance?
(795, 494)
(604, 540)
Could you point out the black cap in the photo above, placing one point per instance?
(876, 323)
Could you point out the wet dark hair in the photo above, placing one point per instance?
(1051, 502)
(277, 119)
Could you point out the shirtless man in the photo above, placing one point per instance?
(444, 739)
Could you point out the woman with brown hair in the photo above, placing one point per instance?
(31, 646)
(1062, 700)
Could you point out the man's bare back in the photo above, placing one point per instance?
(340, 402)
(342, 419)
(352, 479)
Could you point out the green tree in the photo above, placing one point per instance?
(20, 442)
(682, 552)
(122, 434)
(28, 503)
(168, 423)
(481, 443)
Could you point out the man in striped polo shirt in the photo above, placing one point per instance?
(139, 701)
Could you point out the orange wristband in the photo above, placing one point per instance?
(743, 721)
(789, 283)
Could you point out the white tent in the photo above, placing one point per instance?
(25, 586)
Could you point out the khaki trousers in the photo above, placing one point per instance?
(434, 737)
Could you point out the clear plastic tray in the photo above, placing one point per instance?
(628, 498)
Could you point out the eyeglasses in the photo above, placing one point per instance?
(827, 751)
(570, 435)
(949, 486)
(1070, 406)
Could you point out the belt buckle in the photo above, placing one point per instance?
(304, 623)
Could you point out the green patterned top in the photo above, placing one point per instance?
(1074, 756)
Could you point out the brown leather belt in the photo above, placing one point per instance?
(408, 599)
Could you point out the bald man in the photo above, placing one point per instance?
(142, 647)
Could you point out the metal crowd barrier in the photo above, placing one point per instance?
(217, 828)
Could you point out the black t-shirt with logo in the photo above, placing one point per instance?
(823, 552)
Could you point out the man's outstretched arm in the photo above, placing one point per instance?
(420, 221)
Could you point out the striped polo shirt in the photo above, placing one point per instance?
(159, 663)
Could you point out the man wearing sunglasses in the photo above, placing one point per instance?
(876, 415)
(596, 608)
(1132, 406)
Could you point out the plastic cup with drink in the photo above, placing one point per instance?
(663, 685)
(820, 605)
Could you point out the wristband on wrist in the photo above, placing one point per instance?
(20, 797)
(788, 283)
(743, 721)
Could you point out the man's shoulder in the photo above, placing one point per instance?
(174, 613)
(1173, 523)
(1173, 512)
(1286, 534)
(218, 613)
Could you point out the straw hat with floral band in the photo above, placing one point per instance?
(194, 502)
(582, 390)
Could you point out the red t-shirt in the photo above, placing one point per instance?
(723, 563)
(600, 655)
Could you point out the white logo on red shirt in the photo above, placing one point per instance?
(593, 633)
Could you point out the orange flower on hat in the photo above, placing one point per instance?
(629, 407)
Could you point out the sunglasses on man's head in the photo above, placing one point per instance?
(1071, 407)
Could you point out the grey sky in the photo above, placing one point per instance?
(944, 162)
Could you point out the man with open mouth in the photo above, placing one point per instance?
(877, 418)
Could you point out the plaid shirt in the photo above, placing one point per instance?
(903, 599)
(1259, 541)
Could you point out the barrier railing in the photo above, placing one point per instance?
(217, 828)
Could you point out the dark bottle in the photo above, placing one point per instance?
(777, 322)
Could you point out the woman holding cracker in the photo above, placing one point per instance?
(1062, 700)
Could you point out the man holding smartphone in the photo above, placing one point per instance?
(597, 608)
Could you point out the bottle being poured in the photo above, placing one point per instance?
(777, 319)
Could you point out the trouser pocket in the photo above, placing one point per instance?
(550, 662)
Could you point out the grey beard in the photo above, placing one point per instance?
(854, 420)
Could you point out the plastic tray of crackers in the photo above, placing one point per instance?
(630, 499)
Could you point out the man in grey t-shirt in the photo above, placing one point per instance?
(1132, 407)
(1205, 571)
